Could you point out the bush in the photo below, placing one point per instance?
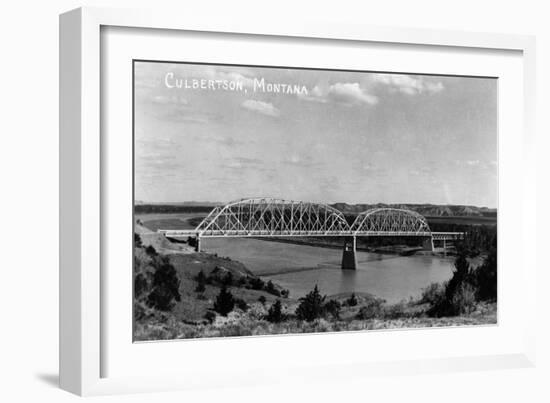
(270, 288)
(434, 294)
(228, 279)
(137, 241)
(256, 283)
(262, 299)
(165, 286)
(311, 306)
(352, 300)
(151, 251)
(332, 307)
(241, 304)
(459, 295)
(201, 280)
(397, 311)
(275, 313)
(486, 278)
(371, 310)
(210, 316)
(224, 302)
(463, 300)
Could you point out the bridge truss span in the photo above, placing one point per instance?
(273, 217)
(387, 221)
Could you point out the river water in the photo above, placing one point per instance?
(299, 268)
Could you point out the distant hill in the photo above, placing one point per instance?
(427, 210)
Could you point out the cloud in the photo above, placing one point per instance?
(241, 163)
(407, 84)
(265, 108)
(169, 100)
(299, 161)
(343, 93)
(351, 93)
(316, 95)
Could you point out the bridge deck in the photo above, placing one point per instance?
(256, 234)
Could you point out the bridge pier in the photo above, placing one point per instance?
(428, 244)
(349, 260)
(198, 243)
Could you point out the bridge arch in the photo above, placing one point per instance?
(389, 221)
(273, 217)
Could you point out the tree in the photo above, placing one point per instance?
(224, 302)
(461, 274)
(352, 300)
(270, 288)
(165, 284)
(486, 277)
(201, 280)
(151, 251)
(332, 307)
(311, 306)
(137, 241)
(228, 279)
(256, 283)
(459, 294)
(275, 312)
(262, 299)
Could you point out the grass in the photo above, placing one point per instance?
(239, 323)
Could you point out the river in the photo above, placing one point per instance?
(299, 268)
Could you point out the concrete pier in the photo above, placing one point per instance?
(349, 259)
(428, 244)
(198, 244)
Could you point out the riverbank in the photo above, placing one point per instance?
(194, 314)
(239, 323)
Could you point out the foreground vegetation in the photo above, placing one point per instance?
(203, 295)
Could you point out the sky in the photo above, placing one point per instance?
(222, 133)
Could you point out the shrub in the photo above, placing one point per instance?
(332, 307)
(210, 316)
(311, 306)
(262, 299)
(434, 294)
(241, 304)
(165, 286)
(224, 302)
(228, 279)
(275, 313)
(285, 293)
(352, 300)
(459, 295)
(256, 283)
(137, 241)
(141, 285)
(151, 251)
(486, 278)
(396, 311)
(463, 300)
(371, 310)
(201, 280)
(270, 288)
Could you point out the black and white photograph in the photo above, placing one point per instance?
(275, 200)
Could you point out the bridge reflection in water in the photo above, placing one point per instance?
(266, 217)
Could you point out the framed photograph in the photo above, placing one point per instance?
(240, 201)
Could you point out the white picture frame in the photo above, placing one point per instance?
(82, 173)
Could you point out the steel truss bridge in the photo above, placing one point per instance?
(266, 217)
